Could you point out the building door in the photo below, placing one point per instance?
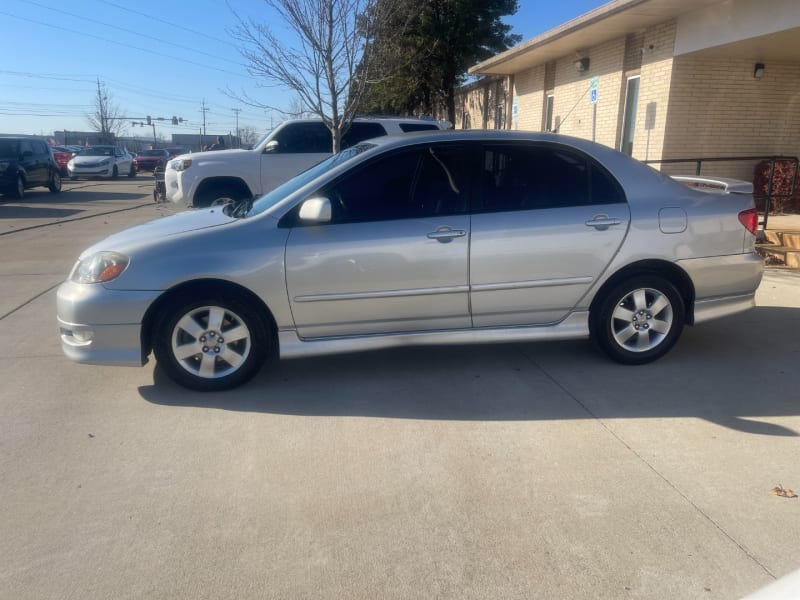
(629, 116)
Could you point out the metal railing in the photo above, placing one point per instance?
(756, 193)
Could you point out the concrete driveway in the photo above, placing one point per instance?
(500, 471)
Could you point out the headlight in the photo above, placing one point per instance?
(180, 164)
(99, 268)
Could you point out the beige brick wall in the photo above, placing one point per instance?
(480, 101)
(717, 108)
(530, 96)
(658, 45)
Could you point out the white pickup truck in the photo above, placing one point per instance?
(205, 178)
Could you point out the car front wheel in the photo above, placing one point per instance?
(132, 171)
(114, 172)
(639, 320)
(211, 343)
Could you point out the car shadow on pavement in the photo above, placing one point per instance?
(36, 212)
(739, 372)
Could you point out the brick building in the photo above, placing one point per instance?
(670, 79)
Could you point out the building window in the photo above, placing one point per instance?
(629, 116)
(548, 113)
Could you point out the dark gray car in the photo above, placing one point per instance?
(27, 162)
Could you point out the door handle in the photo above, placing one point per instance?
(445, 234)
(602, 222)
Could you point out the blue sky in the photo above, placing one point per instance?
(155, 58)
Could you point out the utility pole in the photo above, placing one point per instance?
(203, 110)
(237, 111)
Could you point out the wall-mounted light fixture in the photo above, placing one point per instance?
(582, 64)
(758, 71)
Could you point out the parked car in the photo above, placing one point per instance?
(455, 237)
(26, 162)
(204, 178)
(101, 161)
(62, 156)
(148, 160)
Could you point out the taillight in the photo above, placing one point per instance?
(749, 218)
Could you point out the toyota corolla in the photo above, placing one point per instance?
(432, 238)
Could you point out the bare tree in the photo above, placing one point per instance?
(328, 66)
(248, 135)
(107, 117)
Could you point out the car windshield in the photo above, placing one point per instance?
(98, 151)
(9, 148)
(272, 198)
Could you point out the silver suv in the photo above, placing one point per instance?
(206, 178)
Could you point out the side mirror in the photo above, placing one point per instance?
(271, 147)
(316, 210)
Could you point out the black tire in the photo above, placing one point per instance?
(114, 172)
(132, 172)
(55, 182)
(639, 320)
(208, 364)
(217, 196)
(19, 190)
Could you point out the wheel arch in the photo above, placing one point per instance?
(669, 271)
(195, 288)
(236, 183)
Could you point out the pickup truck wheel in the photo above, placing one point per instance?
(217, 196)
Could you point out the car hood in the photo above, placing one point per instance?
(89, 159)
(153, 232)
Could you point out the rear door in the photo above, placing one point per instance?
(547, 221)
(394, 258)
(34, 159)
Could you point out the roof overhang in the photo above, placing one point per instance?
(607, 22)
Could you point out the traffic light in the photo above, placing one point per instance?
(149, 120)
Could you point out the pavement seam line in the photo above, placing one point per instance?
(111, 212)
(650, 466)
(29, 300)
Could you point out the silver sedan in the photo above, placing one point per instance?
(435, 238)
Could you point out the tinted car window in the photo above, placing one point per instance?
(419, 183)
(539, 177)
(359, 132)
(409, 127)
(304, 138)
(9, 148)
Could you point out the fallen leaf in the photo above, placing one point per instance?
(783, 492)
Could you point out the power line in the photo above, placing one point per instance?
(144, 35)
(97, 37)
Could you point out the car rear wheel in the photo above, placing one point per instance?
(639, 320)
(55, 182)
(211, 343)
(19, 190)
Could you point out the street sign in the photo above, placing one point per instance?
(595, 83)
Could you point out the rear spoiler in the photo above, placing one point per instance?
(715, 185)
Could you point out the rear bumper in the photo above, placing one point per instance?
(724, 285)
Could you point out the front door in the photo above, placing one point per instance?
(394, 258)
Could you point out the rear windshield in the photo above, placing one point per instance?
(9, 148)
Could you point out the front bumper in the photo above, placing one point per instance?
(91, 171)
(174, 187)
(101, 326)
